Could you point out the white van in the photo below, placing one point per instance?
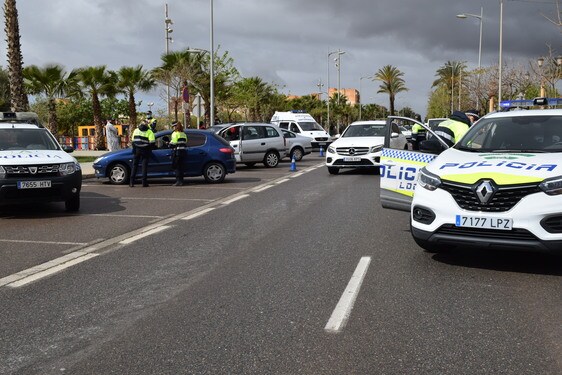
(303, 124)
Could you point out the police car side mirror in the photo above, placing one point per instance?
(67, 148)
(430, 147)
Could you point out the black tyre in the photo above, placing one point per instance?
(72, 204)
(214, 173)
(297, 153)
(271, 159)
(119, 174)
(333, 170)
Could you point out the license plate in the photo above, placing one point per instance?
(322, 143)
(483, 222)
(352, 158)
(34, 184)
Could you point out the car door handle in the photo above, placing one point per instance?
(263, 144)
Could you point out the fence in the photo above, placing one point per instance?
(87, 143)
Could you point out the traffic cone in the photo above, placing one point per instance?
(321, 151)
(293, 164)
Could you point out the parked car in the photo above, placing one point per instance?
(34, 167)
(256, 143)
(407, 132)
(297, 145)
(360, 145)
(498, 187)
(208, 155)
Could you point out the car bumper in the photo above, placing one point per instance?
(529, 229)
(62, 188)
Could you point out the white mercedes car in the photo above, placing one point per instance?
(360, 145)
(499, 187)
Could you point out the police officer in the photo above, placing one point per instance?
(452, 129)
(151, 121)
(143, 143)
(418, 133)
(473, 115)
(179, 154)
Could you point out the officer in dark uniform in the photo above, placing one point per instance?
(143, 143)
(179, 145)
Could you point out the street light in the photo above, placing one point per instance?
(361, 93)
(500, 58)
(480, 17)
(150, 106)
(328, 82)
(212, 71)
(167, 30)
(540, 62)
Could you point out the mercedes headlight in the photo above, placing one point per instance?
(374, 149)
(331, 150)
(428, 180)
(66, 169)
(552, 186)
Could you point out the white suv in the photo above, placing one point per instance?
(361, 143)
(33, 166)
(499, 187)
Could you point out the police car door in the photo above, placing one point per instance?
(399, 168)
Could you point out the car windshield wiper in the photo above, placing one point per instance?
(517, 151)
(468, 149)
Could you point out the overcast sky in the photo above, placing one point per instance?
(286, 42)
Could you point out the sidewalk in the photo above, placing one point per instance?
(87, 168)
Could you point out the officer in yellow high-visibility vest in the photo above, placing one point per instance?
(452, 129)
(418, 133)
(143, 143)
(151, 121)
(179, 155)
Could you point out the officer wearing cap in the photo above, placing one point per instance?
(143, 143)
(151, 121)
(179, 145)
(473, 115)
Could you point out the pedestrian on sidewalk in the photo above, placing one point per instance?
(112, 136)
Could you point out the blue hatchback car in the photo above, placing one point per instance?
(208, 155)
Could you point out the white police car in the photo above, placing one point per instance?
(499, 187)
(33, 166)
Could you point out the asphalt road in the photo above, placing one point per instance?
(246, 278)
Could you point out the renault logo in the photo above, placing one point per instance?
(485, 191)
(352, 151)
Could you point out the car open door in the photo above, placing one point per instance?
(399, 167)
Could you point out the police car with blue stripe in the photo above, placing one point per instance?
(499, 187)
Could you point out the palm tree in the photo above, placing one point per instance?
(131, 80)
(448, 76)
(97, 81)
(15, 60)
(391, 83)
(53, 82)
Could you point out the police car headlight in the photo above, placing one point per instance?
(375, 149)
(428, 180)
(331, 150)
(552, 186)
(2, 172)
(66, 169)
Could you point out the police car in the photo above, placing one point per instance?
(33, 165)
(499, 187)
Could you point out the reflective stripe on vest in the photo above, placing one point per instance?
(143, 138)
(179, 140)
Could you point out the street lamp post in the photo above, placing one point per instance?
(212, 72)
(168, 30)
(360, 94)
(540, 62)
(480, 17)
(328, 83)
(500, 57)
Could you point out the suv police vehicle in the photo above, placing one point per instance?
(499, 187)
(33, 166)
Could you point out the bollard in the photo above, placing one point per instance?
(293, 165)
(321, 151)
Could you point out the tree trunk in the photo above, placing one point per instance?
(132, 116)
(19, 100)
(99, 142)
(53, 120)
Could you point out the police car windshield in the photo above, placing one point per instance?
(514, 134)
(366, 130)
(26, 139)
(310, 126)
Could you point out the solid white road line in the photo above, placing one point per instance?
(229, 201)
(50, 271)
(345, 305)
(144, 234)
(46, 242)
(197, 214)
(281, 181)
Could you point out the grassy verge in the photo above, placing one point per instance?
(86, 159)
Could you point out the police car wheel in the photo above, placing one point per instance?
(271, 159)
(72, 204)
(214, 173)
(119, 174)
